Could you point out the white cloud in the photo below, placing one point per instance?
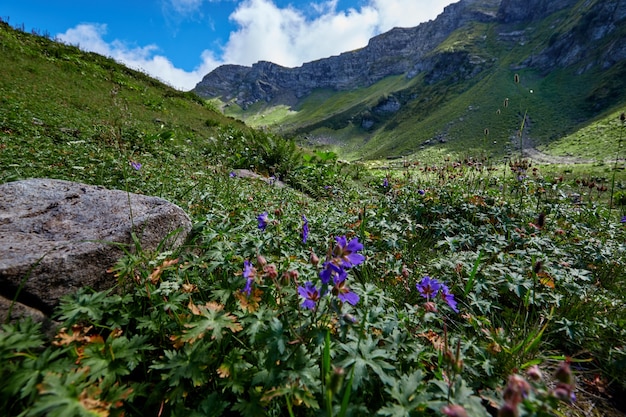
(89, 37)
(287, 36)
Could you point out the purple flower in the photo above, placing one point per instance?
(623, 219)
(331, 270)
(249, 272)
(232, 174)
(305, 229)
(448, 297)
(263, 220)
(428, 287)
(385, 182)
(342, 291)
(345, 251)
(421, 192)
(136, 165)
(310, 294)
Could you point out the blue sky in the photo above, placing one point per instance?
(180, 41)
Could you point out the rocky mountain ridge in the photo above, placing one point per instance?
(399, 51)
(408, 51)
(443, 82)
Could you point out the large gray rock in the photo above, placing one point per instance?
(57, 236)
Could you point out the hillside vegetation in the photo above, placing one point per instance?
(465, 287)
(445, 111)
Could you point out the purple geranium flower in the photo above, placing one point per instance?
(249, 272)
(263, 220)
(136, 165)
(428, 287)
(342, 291)
(305, 229)
(310, 294)
(329, 271)
(345, 251)
(448, 297)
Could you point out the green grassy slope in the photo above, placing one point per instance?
(95, 114)
(459, 107)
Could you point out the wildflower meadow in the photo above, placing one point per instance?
(471, 284)
(424, 291)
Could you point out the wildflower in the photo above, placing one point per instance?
(448, 297)
(342, 291)
(136, 165)
(345, 251)
(329, 271)
(263, 220)
(249, 272)
(421, 192)
(385, 182)
(232, 174)
(623, 219)
(428, 287)
(310, 294)
(305, 229)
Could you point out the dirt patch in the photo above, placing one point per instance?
(531, 152)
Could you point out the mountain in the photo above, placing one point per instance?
(446, 82)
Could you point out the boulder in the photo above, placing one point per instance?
(58, 236)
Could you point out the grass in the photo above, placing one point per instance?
(254, 321)
(562, 101)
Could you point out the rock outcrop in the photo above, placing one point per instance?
(528, 10)
(57, 236)
(399, 51)
(586, 40)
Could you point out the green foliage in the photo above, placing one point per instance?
(534, 261)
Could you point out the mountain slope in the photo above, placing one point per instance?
(441, 87)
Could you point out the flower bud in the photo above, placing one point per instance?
(261, 260)
(564, 393)
(314, 259)
(335, 379)
(430, 307)
(405, 271)
(516, 390)
(534, 373)
(564, 374)
(508, 410)
(454, 410)
(271, 271)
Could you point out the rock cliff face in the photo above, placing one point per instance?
(414, 51)
(592, 37)
(399, 51)
(520, 11)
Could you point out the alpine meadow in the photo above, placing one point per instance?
(433, 225)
